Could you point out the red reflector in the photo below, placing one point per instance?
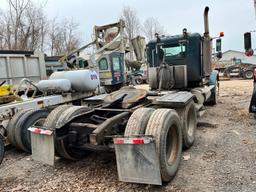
(37, 131)
(138, 141)
(119, 141)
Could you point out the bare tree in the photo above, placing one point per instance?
(132, 26)
(63, 37)
(151, 26)
(132, 23)
(24, 26)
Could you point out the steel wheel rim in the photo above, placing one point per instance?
(249, 74)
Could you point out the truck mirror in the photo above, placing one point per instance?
(219, 55)
(222, 34)
(247, 41)
(218, 45)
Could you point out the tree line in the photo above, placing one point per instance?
(24, 25)
(134, 27)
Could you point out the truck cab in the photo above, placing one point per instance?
(182, 52)
(111, 70)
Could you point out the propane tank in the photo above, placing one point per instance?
(81, 80)
(56, 85)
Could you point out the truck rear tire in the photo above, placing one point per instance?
(2, 149)
(64, 113)
(138, 121)
(164, 125)
(30, 118)
(26, 120)
(51, 120)
(189, 123)
(11, 127)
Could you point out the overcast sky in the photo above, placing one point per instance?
(234, 17)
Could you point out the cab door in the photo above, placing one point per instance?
(117, 67)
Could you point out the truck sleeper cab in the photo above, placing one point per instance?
(180, 51)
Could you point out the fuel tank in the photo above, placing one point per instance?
(81, 80)
(56, 85)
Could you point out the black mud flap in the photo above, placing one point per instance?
(2, 149)
(137, 160)
(252, 108)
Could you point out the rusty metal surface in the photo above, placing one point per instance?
(43, 148)
(130, 96)
(7, 99)
(103, 129)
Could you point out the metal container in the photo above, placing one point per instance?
(16, 65)
(180, 76)
(81, 80)
(56, 85)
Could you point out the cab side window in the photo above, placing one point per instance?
(103, 64)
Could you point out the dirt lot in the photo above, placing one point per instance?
(223, 157)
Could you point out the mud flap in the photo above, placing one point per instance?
(137, 160)
(2, 148)
(42, 145)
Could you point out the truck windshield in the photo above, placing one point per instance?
(116, 63)
(171, 52)
(174, 51)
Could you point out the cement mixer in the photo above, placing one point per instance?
(138, 70)
(108, 55)
(138, 46)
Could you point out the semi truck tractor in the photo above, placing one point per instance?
(147, 129)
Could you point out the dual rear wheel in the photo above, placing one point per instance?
(58, 117)
(170, 130)
(17, 129)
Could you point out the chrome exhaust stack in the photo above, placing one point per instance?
(207, 46)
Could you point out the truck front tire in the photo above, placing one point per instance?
(164, 125)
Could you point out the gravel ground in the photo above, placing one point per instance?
(223, 157)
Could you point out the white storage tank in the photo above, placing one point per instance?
(81, 80)
(56, 85)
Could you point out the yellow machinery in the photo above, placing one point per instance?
(6, 93)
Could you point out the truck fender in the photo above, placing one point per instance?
(214, 77)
